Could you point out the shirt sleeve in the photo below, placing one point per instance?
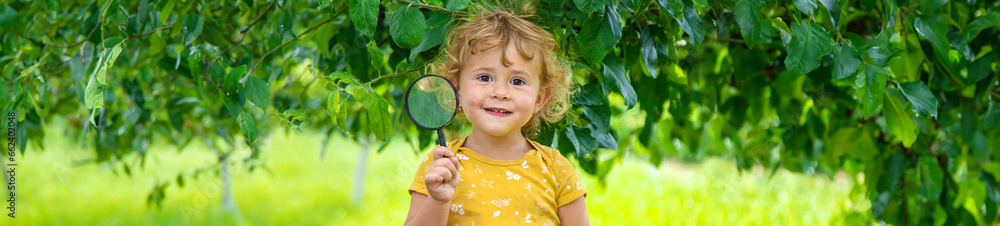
(570, 187)
(418, 185)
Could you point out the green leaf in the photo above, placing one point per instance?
(7, 15)
(614, 76)
(991, 118)
(980, 68)
(231, 83)
(156, 44)
(234, 104)
(972, 30)
(94, 97)
(590, 6)
(906, 65)
(808, 46)
(257, 91)
(933, 179)
(110, 61)
(193, 24)
(924, 102)
(364, 15)
(95, 94)
(934, 30)
(378, 109)
(648, 52)
(845, 60)
(112, 42)
(832, 8)
(180, 181)
(143, 10)
(599, 115)
(602, 137)
(940, 216)
(4, 95)
(871, 86)
(603, 34)
(930, 6)
(440, 24)
(376, 54)
(248, 127)
(457, 5)
(692, 25)
(881, 55)
(806, 6)
(748, 18)
(673, 7)
(335, 106)
(897, 121)
(407, 27)
(294, 116)
(165, 12)
(581, 139)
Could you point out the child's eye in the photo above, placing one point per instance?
(484, 78)
(517, 82)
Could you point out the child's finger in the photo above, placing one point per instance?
(444, 173)
(441, 152)
(448, 164)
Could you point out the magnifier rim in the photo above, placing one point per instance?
(407, 101)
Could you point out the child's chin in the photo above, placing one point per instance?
(497, 132)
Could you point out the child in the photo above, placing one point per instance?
(508, 78)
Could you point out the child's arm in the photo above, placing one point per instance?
(424, 211)
(441, 180)
(574, 213)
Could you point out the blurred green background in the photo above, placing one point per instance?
(297, 185)
(689, 112)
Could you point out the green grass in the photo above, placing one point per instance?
(300, 187)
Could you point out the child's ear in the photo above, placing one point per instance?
(543, 97)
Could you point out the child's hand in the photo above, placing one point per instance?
(442, 176)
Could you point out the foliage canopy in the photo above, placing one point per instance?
(901, 95)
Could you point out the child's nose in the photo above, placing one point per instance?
(500, 92)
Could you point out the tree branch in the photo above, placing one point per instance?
(395, 74)
(81, 41)
(426, 6)
(243, 33)
(244, 79)
(151, 32)
(209, 79)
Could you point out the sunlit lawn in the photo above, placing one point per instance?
(298, 186)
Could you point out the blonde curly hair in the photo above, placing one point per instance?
(501, 28)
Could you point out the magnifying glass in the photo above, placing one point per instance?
(431, 102)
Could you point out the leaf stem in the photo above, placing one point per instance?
(81, 41)
(394, 75)
(244, 79)
(209, 79)
(149, 33)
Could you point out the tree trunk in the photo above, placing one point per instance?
(228, 202)
(359, 172)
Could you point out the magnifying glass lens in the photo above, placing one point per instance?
(431, 102)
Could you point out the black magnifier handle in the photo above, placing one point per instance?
(441, 139)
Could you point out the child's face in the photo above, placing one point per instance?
(499, 99)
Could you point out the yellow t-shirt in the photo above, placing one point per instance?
(526, 191)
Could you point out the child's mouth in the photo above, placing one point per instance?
(497, 111)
